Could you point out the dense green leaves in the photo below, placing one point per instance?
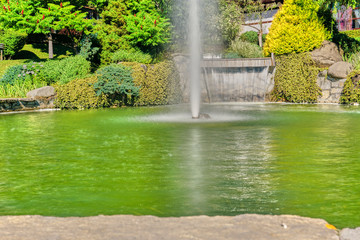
(116, 82)
(295, 79)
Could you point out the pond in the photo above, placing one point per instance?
(249, 158)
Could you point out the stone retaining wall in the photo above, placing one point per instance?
(21, 104)
(331, 88)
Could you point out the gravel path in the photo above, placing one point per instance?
(248, 226)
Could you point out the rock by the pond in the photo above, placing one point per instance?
(340, 70)
(248, 226)
(44, 92)
(327, 54)
(350, 234)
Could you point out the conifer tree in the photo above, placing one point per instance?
(296, 28)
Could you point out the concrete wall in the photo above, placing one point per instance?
(245, 80)
(240, 84)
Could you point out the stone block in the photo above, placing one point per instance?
(350, 234)
(325, 94)
(336, 91)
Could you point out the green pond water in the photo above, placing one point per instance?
(250, 158)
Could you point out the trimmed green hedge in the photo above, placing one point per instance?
(79, 94)
(351, 90)
(295, 79)
(159, 83)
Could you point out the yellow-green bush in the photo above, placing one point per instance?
(351, 90)
(79, 94)
(296, 28)
(295, 79)
(159, 83)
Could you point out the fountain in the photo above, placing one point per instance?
(195, 57)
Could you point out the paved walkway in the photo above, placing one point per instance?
(248, 226)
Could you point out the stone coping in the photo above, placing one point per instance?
(247, 226)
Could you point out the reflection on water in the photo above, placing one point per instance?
(269, 159)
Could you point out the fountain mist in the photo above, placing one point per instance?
(195, 57)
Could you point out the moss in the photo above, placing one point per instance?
(295, 79)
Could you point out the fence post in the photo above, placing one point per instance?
(1, 50)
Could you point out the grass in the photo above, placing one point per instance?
(39, 51)
(30, 52)
(20, 88)
(35, 52)
(5, 64)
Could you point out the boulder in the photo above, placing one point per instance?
(350, 234)
(340, 70)
(328, 54)
(44, 92)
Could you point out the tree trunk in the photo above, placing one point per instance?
(51, 49)
(260, 34)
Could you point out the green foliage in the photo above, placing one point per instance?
(250, 36)
(39, 51)
(65, 70)
(348, 44)
(159, 83)
(354, 59)
(352, 34)
(6, 64)
(295, 79)
(230, 20)
(90, 48)
(351, 90)
(19, 87)
(131, 55)
(296, 28)
(14, 41)
(11, 75)
(79, 94)
(245, 49)
(146, 28)
(115, 81)
(111, 28)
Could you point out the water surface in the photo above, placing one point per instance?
(250, 158)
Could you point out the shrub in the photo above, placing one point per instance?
(146, 28)
(65, 70)
(296, 28)
(21, 72)
(348, 44)
(90, 48)
(11, 75)
(14, 41)
(19, 87)
(159, 83)
(79, 94)
(351, 90)
(250, 36)
(230, 20)
(245, 49)
(116, 82)
(354, 59)
(131, 56)
(230, 55)
(352, 34)
(295, 79)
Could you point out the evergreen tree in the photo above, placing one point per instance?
(296, 28)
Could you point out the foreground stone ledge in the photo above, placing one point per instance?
(248, 226)
(25, 104)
